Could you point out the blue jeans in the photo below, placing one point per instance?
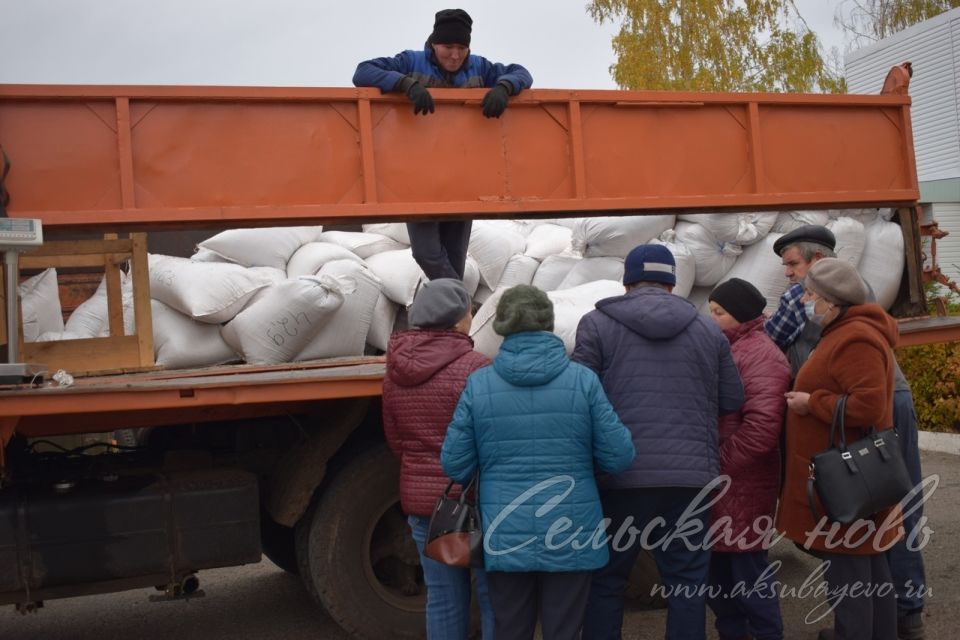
(683, 564)
(753, 610)
(448, 593)
(906, 566)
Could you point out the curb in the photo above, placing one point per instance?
(939, 442)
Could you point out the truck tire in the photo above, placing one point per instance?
(356, 555)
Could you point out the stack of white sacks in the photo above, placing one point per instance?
(290, 294)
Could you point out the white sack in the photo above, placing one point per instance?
(393, 230)
(268, 247)
(308, 259)
(787, 221)
(698, 297)
(686, 264)
(57, 336)
(863, 216)
(617, 236)
(471, 275)
(485, 339)
(754, 227)
(180, 342)
(725, 227)
(553, 270)
(91, 318)
(345, 332)
(713, 258)
(382, 323)
(399, 274)
(206, 255)
(520, 269)
(882, 262)
(546, 240)
(281, 322)
(850, 236)
(211, 292)
(40, 305)
(362, 244)
(523, 227)
(570, 305)
(482, 294)
(492, 245)
(762, 268)
(592, 269)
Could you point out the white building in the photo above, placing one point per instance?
(933, 47)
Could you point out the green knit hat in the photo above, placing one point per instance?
(523, 308)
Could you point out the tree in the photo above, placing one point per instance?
(715, 45)
(871, 20)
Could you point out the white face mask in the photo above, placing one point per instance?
(810, 308)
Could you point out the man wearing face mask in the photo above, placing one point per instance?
(796, 327)
(440, 248)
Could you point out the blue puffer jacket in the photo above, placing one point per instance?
(669, 374)
(385, 73)
(535, 424)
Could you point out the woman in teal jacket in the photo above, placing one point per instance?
(536, 425)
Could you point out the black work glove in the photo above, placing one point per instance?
(495, 102)
(421, 99)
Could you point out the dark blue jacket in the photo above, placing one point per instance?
(535, 424)
(669, 374)
(477, 72)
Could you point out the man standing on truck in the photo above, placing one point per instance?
(669, 374)
(789, 328)
(440, 248)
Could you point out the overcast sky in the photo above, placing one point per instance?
(298, 42)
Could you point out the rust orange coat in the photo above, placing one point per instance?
(854, 356)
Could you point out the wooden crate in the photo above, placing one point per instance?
(116, 352)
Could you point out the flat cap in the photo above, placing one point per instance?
(836, 281)
(814, 233)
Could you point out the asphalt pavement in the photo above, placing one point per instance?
(261, 601)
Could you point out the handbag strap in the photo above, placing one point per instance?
(838, 423)
(470, 486)
(810, 499)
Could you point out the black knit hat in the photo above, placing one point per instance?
(451, 26)
(523, 308)
(740, 299)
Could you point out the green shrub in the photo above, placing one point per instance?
(933, 371)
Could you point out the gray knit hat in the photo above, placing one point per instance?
(440, 304)
(523, 308)
(836, 281)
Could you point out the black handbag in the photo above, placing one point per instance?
(857, 480)
(454, 536)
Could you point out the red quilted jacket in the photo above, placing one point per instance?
(750, 438)
(426, 372)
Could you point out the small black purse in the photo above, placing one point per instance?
(857, 480)
(454, 536)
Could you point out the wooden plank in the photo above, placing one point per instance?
(110, 244)
(114, 299)
(139, 272)
(58, 262)
(911, 299)
(86, 355)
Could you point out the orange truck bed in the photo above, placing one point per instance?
(126, 158)
(139, 158)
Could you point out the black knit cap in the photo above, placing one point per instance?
(451, 26)
(740, 299)
(814, 233)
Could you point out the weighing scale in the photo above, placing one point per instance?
(17, 235)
